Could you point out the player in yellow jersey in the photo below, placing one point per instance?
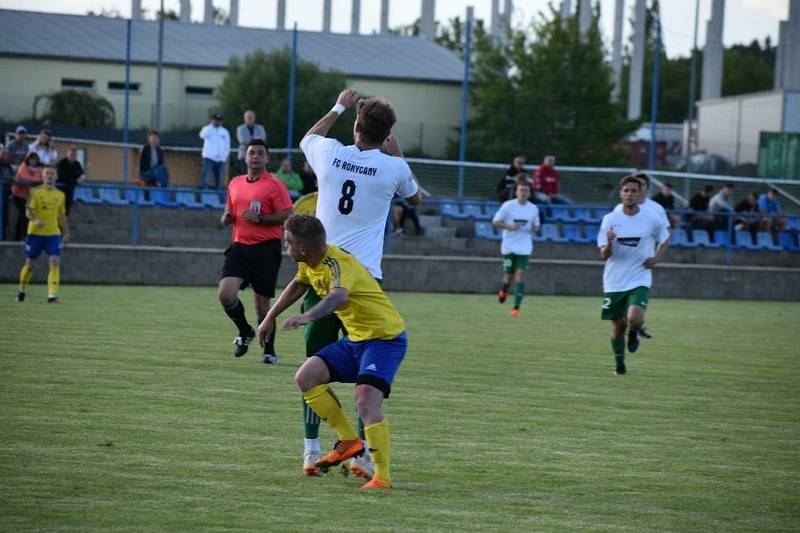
(48, 231)
(368, 356)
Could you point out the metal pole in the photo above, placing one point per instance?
(462, 149)
(692, 83)
(651, 157)
(292, 83)
(127, 102)
(159, 65)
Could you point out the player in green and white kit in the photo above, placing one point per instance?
(626, 240)
(518, 218)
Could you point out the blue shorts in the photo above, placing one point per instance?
(372, 362)
(34, 244)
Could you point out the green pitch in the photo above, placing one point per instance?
(124, 409)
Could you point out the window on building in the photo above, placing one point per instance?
(76, 84)
(193, 90)
(119, 86)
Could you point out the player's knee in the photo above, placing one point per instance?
(305, 379)
(368, 410)
(226, 296)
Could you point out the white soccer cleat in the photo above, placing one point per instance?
(362, 466)
(309, 458)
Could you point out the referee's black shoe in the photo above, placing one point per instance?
(240, 344)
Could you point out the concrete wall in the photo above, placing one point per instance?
(200, 267)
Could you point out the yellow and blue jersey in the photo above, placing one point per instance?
(47, 205)
(368, 313)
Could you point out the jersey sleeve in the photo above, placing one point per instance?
(342, 277)
(407, 186)
(280, 199)
(661, 232)
(314, 147)
(32, 201)
(500, 216)
(602, 238)
(62, 205)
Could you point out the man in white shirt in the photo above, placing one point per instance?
(518, 218)
(48, 156)
(356, 186)
(627, 240)
(216, 149)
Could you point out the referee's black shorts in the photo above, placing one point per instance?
(256, 264)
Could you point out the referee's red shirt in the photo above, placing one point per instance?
(265, 196)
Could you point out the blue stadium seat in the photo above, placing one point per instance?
(474, 211)
(211, 199)
(583, 214)
(680, 239)
(538, 237)
(721, 239)
(162, 198)
(138, 196)
(85, 195)
(591, 232)
(793, 222)
(745, 240)
(550, 233)
(701, 239)
(110, 195)
(572, 232)
(491, 207)
(485, 230)
(452, 210)
(560, 213)
(765, 242)
(188, 199)
(787, 241)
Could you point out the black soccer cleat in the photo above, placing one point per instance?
(620, 370)
(644, 335)
(633, 341)
(240, 344)
(20, 296)
(270, 359)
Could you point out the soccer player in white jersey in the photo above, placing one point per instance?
(627, 241)
(356, 185)
(518, 218)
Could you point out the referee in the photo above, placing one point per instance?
(257, 205)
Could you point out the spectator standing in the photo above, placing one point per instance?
(42, 146)
(291, 179)
(546, 182)
(247, 132)
(506, 185)
(770, 210)
(699, 204)
(401, 210)
(748, 211)
(666, 199)
(6, 177)
(152, 169)
(70, 175)
(29, 174)
(309, 178)
(216, 149)
(719, 203)
(19, 146)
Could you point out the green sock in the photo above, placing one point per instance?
(506, 286)
(310, 421)
(518, 294)
(361, 433)
(618, 346)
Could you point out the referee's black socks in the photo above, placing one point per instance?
(236, 313)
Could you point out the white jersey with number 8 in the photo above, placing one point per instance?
(355, 193)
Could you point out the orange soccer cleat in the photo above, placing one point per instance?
(376, 483)
(501, 296)
(344, 450)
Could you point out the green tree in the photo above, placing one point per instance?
(261, 82)
(82, 109)
(546, 91)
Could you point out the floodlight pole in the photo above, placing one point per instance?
(292, 91)
(692, 82)
(159, 66)
(462, 148)
(127, 102)
(651, 156)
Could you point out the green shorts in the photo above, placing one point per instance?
(514, 262)
(324, 331)
(615, 304)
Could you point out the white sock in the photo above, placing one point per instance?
(312, 445)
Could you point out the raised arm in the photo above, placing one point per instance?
(392, 147)
(347, 98)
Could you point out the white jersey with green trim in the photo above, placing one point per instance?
(517, 241)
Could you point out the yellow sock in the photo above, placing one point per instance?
(379, 447)
(53, 280)
(25, 276)
(325, 403)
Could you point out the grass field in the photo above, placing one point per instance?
(123, 409)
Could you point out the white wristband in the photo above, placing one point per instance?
(338, 108)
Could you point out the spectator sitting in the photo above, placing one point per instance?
(29, 174)
(699, 204)
(505, 187)
(216, 149)
(401, 210)
(666, 199)
(748, 209)
(291, 179)
(6, 177)
(770, 210)
(546, 183)
(245, 133)
(722, 202)
(19, 147)
(152, 170)
(309, 178)
(70, 175)
(42, 146)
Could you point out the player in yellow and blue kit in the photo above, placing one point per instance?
(369, 355)
(47, 231)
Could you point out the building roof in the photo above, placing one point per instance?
(94, 38)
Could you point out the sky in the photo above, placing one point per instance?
(745, 20)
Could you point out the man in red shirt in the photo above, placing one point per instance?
(257, 205)
(546, 182)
